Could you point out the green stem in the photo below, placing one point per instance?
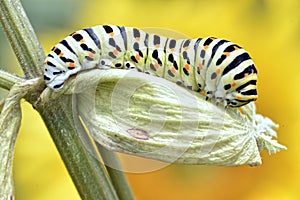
(22, 37)
(86, 171)
(114, 169)
(7, 80)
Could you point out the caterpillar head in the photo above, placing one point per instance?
(56, 73)
(54, 82)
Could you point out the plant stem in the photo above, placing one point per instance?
(86, 171)
(116, 174)
(7, 80)
(22, 37)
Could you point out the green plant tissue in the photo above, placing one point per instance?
(147, 116)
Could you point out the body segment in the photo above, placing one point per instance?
(218, 68)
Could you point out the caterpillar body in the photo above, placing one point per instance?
(216, 67)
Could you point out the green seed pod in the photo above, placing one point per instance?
(148, 116)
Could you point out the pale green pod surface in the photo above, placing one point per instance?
(147, 116)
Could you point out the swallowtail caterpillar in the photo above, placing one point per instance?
(218, 68)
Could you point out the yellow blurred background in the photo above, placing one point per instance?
(268, 29)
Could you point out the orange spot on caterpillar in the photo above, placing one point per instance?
(186, 48)
(82, 41)
(137, 38)
(235, 47)
(200, 66)
(233, 84)
(187, 66)
(241, 110)
(61, 54)
(172, 49)
(156, 65)
(218, 71)
(112, 34)
(137, 57)
(203, 92)
(157, 46)
(115, 52)
(227, 54)
(246, 74)
(173, 70)
(71, 64)
(205, 47)
(46, 62)
(91, 55)
(239, 97)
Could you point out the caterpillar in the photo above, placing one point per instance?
(218, 68)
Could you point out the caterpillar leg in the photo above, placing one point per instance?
(219, 96)
(105, 64)
(209, 95)
(221, 101)
(130, 66)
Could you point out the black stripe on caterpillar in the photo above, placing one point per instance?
(215, 67)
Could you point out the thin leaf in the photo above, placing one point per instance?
(10, 120)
